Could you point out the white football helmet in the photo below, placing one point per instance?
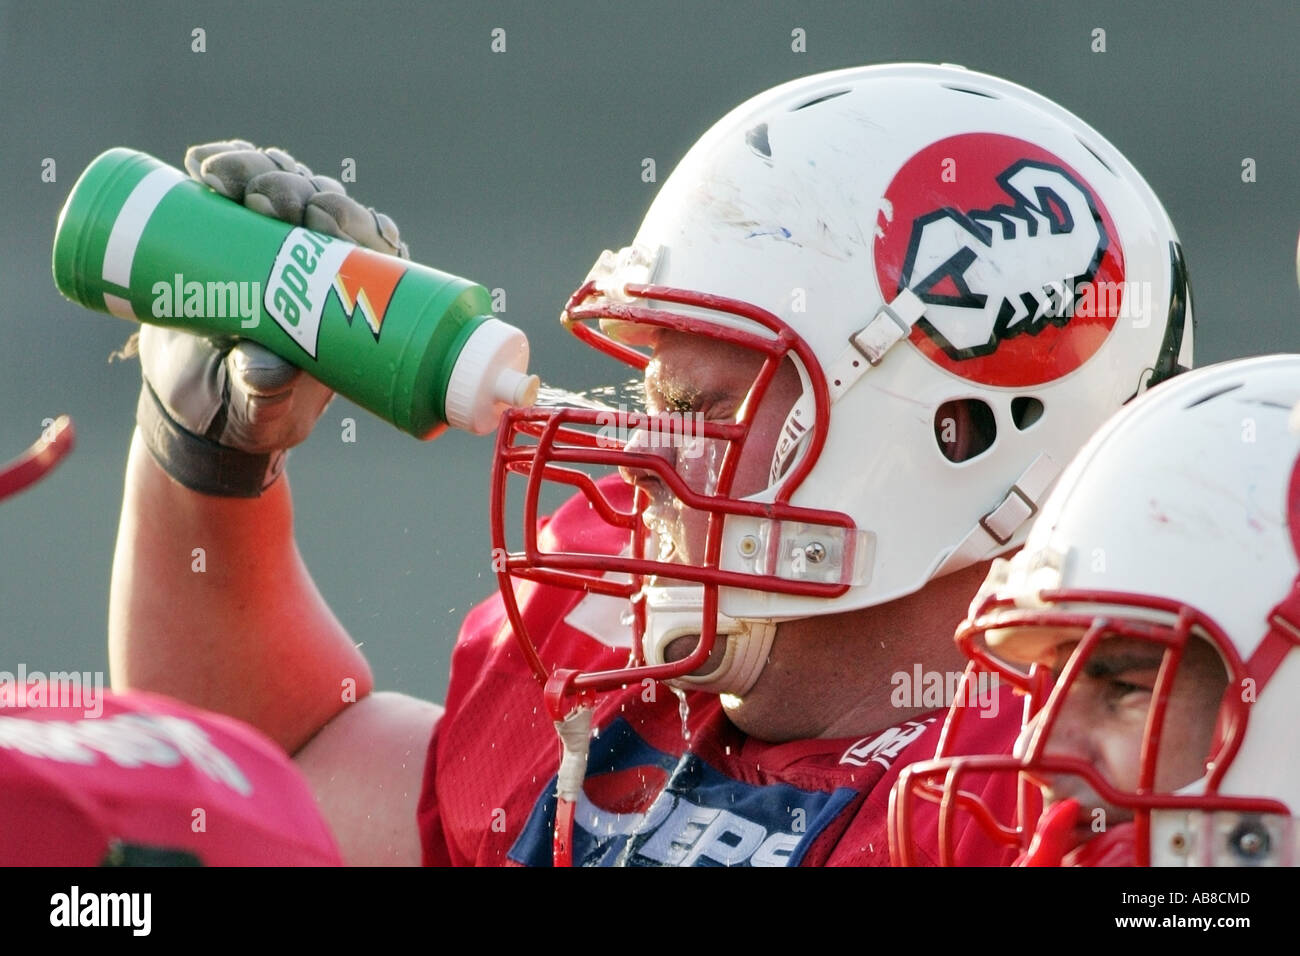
(1178, 523)
(932, 249)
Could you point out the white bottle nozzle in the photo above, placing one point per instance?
(516, 389)
(490, 375)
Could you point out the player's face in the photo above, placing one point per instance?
(705, 379)
(1104, 717)
(697, 376)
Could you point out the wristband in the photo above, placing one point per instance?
(199, 463)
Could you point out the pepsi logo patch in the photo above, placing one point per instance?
(1013, 253)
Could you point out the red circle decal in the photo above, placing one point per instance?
(1014, 255)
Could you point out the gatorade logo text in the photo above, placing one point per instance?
(310, 264)
(300, 281)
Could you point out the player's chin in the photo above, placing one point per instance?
(682, 647)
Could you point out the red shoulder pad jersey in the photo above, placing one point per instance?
(146, 779)
(669, 781)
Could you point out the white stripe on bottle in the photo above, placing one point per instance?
(131, 219)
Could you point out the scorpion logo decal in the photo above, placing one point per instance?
(1013, 269)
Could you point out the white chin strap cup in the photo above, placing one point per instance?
(673, 612)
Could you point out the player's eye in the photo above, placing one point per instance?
(1123, 688)
(1126, 694)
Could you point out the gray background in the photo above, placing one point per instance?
(516, 169)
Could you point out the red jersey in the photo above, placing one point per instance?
(670, 780)
(139, 778)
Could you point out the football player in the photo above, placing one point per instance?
(89, 777)
(876, 310)
(1152, 619)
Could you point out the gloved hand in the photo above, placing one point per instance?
(219, 414)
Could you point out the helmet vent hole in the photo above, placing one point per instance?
(964, 429)
(1096, 155)
(1025, 411)
(962, 89)
(818, 99)
(1214, 394)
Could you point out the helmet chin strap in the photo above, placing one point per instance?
(673, 612)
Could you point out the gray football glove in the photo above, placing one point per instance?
(219, 414)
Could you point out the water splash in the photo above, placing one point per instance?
(629, 394)
(683, 710)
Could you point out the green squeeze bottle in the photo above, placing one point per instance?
(139, 239)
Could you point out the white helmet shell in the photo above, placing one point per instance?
(823, 199)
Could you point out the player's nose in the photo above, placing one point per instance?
(642, 442)
(1069, 734)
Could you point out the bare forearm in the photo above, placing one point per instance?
(210, 602)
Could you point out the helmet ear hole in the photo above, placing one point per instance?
(1025, 411)
(964, 428)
